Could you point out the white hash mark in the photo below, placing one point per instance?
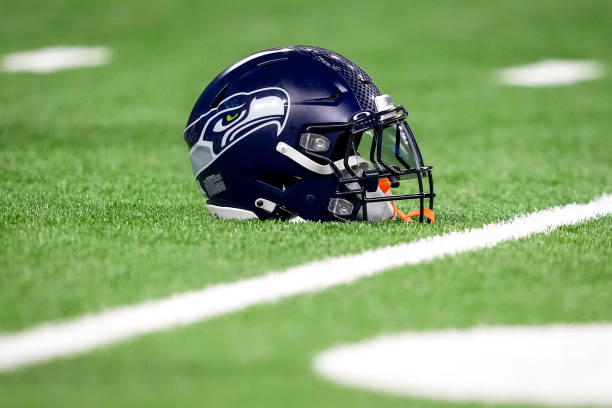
(51, 59)
(551, 72)
(551, 365)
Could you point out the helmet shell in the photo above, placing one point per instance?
(317, 86)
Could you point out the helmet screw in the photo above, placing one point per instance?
(310, 199)
(259, 203)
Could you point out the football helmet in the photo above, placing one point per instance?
(302, 133)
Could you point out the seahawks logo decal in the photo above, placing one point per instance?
(236, 117)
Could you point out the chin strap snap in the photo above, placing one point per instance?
(385, 186)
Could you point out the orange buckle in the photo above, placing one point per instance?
(384, 184)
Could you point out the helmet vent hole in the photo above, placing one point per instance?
(219, 97)
(279, 180)
(329, 98)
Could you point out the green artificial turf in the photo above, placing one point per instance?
(99, 207)
(262, 357)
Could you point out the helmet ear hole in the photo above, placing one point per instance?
(279, 181)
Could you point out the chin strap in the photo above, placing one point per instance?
(385, 185)
(427, 213)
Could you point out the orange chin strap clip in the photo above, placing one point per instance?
(385, 185)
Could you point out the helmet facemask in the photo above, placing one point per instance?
(385, 148)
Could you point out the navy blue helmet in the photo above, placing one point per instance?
(302, 133)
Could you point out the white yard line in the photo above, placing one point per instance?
(551, 72)
(551, 365)
(51, 59)
(86, 333)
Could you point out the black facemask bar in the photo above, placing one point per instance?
(368, 179)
